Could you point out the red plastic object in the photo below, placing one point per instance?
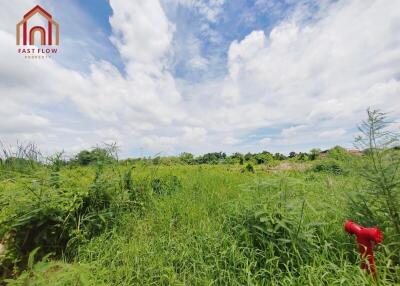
(367, 237)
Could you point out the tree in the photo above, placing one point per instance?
(339, 153)
(314, 153)
(212, 158)
(187, 158)
(279, 156)
(236, 158)
(97, 155)
(302, 156)
(248, 156)
(380, 200)
(263, 158)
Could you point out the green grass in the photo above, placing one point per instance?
(214, 229)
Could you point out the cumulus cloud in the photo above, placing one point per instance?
(310, 79)
(321, 74)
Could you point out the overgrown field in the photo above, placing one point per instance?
(138, 223)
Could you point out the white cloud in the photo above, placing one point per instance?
(323, 74)
(332, 134)
(230, 141)
(311, 80)
(292, 131)
(265, 141)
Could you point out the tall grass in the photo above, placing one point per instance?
(197, 225)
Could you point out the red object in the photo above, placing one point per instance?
(367, 237)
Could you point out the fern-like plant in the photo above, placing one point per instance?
(380, 200)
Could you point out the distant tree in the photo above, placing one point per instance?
(156, 160)
(187, 158)
(212, 158)
(236, 158)
(97, 155)
(84, 157)
(263, 158)
(302, 156)
(292, 154)
(338, 153)
(279, 156)
(248, 156)
(249, 168)
(314, 153)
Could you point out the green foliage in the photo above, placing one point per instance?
(263, 158)
(236, 158)
(339, 153)
(302, 156)
(378, 200)
(248, 168)
(23, 158)
(99, 155)
(187, 158)
(46, 272)
(276, 231)
(314, 153)
(175, 223)
(212, 158)
(165, 185)
(58, 220)
(330, 166)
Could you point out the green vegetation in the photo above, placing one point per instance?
(254, 219)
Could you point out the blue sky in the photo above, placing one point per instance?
(202, 75)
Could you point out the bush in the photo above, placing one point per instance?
(55, 220)
(277, 231)
(339, 153)
(99, 155)
(46, 272)
(378, 201)
(248, 168)
(329, 166)
(165, 185)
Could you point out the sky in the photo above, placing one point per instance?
(172, 76)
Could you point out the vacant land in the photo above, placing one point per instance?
(140, 223)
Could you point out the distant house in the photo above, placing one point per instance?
(355, 152)
(324, 153)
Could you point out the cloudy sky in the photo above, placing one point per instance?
(201, 75)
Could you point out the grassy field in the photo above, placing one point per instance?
(144, 224)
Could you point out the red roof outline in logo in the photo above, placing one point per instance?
(37, 9)
(51, 22)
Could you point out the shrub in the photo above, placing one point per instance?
(378, 201)
(165, 185)
(99, 155)
(277, 231)
(248, 168)
(329, 166)
(339, 153)
(55, 221)
(314, 154)
(46, 272)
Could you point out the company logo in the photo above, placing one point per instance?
(38, 28)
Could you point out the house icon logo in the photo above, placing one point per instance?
(49, 32)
